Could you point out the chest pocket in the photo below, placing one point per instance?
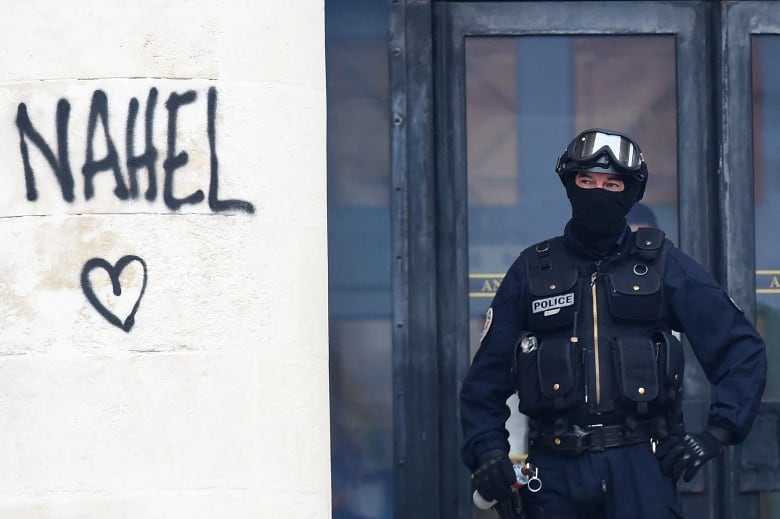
(553, 299)
(635, 292)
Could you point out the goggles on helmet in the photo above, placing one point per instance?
(602, 148)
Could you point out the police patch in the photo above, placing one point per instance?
(552, 303)
(487, 323)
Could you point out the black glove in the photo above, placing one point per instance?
(494, 476)
(686, 454)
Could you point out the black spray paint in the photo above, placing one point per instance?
(216, 205)
(113, 272)
(99, 110)
(60, 164)
(148, 159)
(174, 159)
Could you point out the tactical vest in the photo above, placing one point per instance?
(596, 338)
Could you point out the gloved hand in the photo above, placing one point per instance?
(494, 476)
(687, 453)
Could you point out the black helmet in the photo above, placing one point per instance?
(604, 150)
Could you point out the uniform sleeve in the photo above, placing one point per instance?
(488, 382)
(727, 345)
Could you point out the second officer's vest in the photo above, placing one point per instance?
(596, 338)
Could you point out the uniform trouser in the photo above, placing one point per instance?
(617, 483)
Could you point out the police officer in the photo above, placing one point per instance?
(581, 328)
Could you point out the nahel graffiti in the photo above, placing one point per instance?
(173, 160)
(105, 304)
(135, 162)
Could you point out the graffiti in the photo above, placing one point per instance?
(126, 186)
(109, 307)
(144, 169)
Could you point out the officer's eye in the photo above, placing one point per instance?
(586, 182)
(613, 186)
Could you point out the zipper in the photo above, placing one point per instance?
(595, 334)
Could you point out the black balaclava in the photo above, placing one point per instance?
(598, 216)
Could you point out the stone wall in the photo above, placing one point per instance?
(163, 287)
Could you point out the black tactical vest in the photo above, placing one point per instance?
(596, 340)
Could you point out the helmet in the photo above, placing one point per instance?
(604, 151)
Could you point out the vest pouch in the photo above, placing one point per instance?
(526, 378)
(552, 299)
(635, 293)
(636, 371)
(671, 365)
(559, 363)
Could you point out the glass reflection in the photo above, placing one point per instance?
(359, 258)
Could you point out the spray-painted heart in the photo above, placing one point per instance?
(113, 273)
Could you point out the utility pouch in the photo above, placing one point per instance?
(552, 303)
(559, 363)
(671, 365)
(636, 283)
(636, 370)
(635, 293)
(526, 378)
(546, 378)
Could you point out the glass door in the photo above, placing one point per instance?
(517, 81)
(751, 188)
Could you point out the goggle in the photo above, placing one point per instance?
(591, 145)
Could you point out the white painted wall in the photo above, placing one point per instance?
(213, 401)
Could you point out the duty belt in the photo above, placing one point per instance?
(594, 438)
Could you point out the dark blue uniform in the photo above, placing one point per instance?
(623, 481)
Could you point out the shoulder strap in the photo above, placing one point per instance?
(549, 268)
(539, 254)
(648, 242)
(541, 249)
